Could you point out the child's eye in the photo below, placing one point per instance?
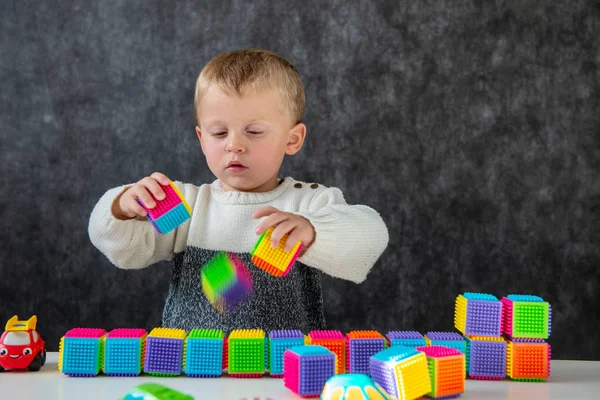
(219, 133)
(254, 132)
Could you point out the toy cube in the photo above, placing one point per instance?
(334, 341)
(170, 212)
(405, 338)
(528, 359)
(486, 357)
(124, 352)
(360, 346)
(478, 314)
(81, 352)
(446, 371)
(306, 369)
(351, 386)
(280, 341)
(246, 353)
(401, 372)
(447, 339)
(204, 353)
(526, 316)
(275, 261)
(226, 282)
(165, 352)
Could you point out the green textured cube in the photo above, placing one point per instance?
(530, 319)
(246, 352)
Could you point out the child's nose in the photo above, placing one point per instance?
(236, 143)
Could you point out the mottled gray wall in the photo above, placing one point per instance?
(472, 126)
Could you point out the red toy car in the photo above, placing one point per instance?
(21, 346)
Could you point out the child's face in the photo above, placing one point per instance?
(245, 138)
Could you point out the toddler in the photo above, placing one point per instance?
(248, 108)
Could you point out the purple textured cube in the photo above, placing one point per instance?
(445, 336)
(286, 334)
(410, 335)
(486, 359)
(163, 356)
(360, 351)
(484, 318)
(321, 368)
(384, 376)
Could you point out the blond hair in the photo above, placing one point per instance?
(252, 69)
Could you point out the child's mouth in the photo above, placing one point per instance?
(236, 167)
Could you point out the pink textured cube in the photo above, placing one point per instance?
(93, 333)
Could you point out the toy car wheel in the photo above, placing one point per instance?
(1, 368)
(36, 364)
(44, 358)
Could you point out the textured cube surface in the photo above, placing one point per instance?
(447, 339)
(351, 387)
(276, 261)
(486, 357)
(405, 338)
(81, 352)
(528, 359)
(170, 212)
(401, 372)
(204, 353)
(446, 370)
(360, 346)
(124, 351)
(478, 314)
(246, 353)
(226, 282)
(279, 342)
(526, 316)
(164, 352)
(334, 341)
(307, 369)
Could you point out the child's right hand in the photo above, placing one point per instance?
(127, 207)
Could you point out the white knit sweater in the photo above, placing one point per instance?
(349, 240)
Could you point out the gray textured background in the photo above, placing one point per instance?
(472, 126)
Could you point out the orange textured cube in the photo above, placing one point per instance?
(528, 359)
(333, 340)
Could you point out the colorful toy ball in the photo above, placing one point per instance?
(226, 282)
(169, 212)
(275, 261)
(351, 386)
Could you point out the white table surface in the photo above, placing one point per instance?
(569, 380)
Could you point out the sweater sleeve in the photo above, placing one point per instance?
(349, 238)
(133, 243)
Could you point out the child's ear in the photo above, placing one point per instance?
(296, 137)
(199, 134)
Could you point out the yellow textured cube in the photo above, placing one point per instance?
(275, 261)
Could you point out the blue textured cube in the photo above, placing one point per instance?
(204, 353)
(279, 342)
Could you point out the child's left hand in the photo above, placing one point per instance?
(299, 228)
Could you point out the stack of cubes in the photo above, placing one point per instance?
(246, 353)
(81, 352)
(124, 352)
(527, 321)
(478, 316)
(170, 212)
(360, 346)
(401, 372)
(204, 353)
(405, 338)
(307, 368)
(334, 341)
(279, 342)
(446, 371)
(165, 352)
